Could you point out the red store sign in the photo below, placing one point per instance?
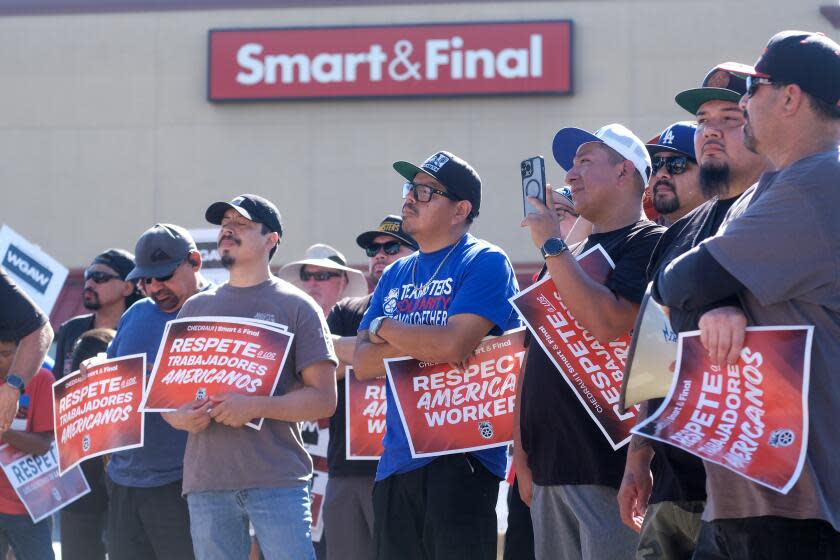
(394, 61)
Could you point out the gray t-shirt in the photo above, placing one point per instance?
(785, 248)
(224, 458)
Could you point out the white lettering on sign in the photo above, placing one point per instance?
(448, 57)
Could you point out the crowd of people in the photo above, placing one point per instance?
(741, 231)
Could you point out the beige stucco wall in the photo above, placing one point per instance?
(105, 128)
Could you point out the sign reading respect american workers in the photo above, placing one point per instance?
(750, 417)
(594, 371)
(99, 412)
(203, 357)
(489, 58)
(365, 416)
(37, 482)
(449, 409)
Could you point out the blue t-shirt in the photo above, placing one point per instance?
(477, 278)
(161, 459)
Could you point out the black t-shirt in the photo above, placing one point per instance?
(563, 444)
(344, 320)
(19, 316)
(678, 475)
(68, 334)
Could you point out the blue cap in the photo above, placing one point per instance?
(677, 138)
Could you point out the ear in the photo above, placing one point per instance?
(128, 288)
(462, 210)
(194, 258)
(793, 98)
(272, 240)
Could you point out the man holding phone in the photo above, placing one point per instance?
(567, 470)
(436, 305)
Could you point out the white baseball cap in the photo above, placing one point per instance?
(616, 136)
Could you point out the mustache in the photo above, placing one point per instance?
(409, 206)
(665, 182)
(229, 236)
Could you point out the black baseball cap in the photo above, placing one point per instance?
(809, 60)
(118, 260)
(720, 83)
(250, 206)
(160, 250)
(458, 176)
(392, 226)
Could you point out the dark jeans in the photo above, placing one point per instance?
(444, 510)
(519, 539)
(148, 523)
(81, 535)
(30, 541)
(767, 538)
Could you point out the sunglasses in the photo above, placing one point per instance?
(100, 277)
(674, 165)
(753, 82)
(423, 193)
(390, 248)
(161, 279)
(306, 276)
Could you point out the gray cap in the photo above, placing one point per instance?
(160, 250)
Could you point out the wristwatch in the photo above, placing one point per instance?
(552, 247)
(375, 325)
(15, 382)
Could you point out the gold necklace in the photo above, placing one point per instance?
(421, 291)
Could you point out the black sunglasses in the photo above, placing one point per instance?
(100, 277)
(753, 82)
(674, 165)
(321, 276)
(423, 193)
(390, 248)
(166, 278)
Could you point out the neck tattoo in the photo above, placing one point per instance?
(424, 287)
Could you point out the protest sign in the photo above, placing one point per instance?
(33, 270)
(592, 370)
(445, 409)
(200, 357)
(365, 416)
(206, 241)
(38, 484)
(319, 490)
(99, 413)
(316, 436)
(652, 356)
(751, 417)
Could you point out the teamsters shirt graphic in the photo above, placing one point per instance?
(477, 278)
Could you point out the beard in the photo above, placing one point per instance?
(228, 261)
(93, 303)
(714, 179)
(665, 205)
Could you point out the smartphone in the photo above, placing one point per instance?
(533, 182)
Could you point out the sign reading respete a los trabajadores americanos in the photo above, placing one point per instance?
(488, 58)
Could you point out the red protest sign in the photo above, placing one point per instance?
(37, 482)
(316, 437)
(201, 357)
(592, 370)
(100, 412)
(445, 409)
(751, 417)
(365, 416)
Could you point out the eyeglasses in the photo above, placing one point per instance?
(423, 193)
(166, 278)
(306, 276)
(100, 277)
(754, 81)
(674, 165)
(390, 248)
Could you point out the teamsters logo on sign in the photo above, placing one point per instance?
(390, 61)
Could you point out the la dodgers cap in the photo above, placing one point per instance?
(616, 136)
(677, 138)
(458, 176)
